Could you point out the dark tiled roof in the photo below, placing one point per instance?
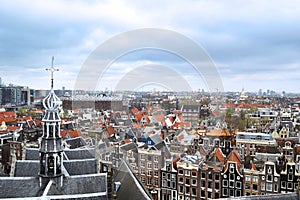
(72, 154)
(129, 146)
(79, 167)
(18, 187)
(82, 184)
(74, 187)
(77, 154)
(76, 142)
(27, 168)
(130, 186)
(32, 154)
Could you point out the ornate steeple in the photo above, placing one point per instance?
(51, 148)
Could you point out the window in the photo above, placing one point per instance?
(202, 183)
(231, 184)
(142, 156)
(194, 182)
(187, 190)
(169, 176)
(156, 158)
(255, 187)
(248, 179)
(149, 173)
(290, 177)
(290, 186)
(180, 189)
(269, 178)
(150, 165)
(255, 179)
(156, 173)
(187, 181)
(209, 195)
(269, 187)
(238, 193)
(155, 165)
(225, 183)
(269, 170)
(225, 191)
(217, 177)
(231, 177)
(156, 182)
(262, 186)
(142, 171)
(238, 185)
(163, 174)
(187, 172)
(180, 171)
(149, 181)
(231, 192)
(283, 184)
(275, 188)
(203, 175)
(194, 173)
(231, 168)
(194, 191)
(209, 184)
(247, 186)
(180, 180)
(217, 185)
(164, 183)
(143, 179)
(209, 176)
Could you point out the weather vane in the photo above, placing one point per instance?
(52, 70)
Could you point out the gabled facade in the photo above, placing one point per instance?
(232, 179)
(269, 179)
(289, 178)
(149, 164)
(187, 174)
(169, 181)
(251, 181)
(210, 176)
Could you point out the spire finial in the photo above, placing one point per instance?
(52, 70)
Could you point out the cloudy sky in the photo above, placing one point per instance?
(253, 44)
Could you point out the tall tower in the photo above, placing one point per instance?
(51, 148)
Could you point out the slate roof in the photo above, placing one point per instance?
(129, 146)
(80, 167)
(81, 184)
(76, 142)
(27, 168)
(31, 154)
(155, 138)
(75, 187)
(72, 154)
(18, 187)
(191, 107)
(130, 187)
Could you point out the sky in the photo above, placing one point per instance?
(252, 44)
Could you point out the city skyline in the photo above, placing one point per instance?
(253, 46)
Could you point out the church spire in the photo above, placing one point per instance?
(51, 148)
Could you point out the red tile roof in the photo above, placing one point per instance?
(110, 130)
(218, 132)
(72, 133)
(219, 154)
